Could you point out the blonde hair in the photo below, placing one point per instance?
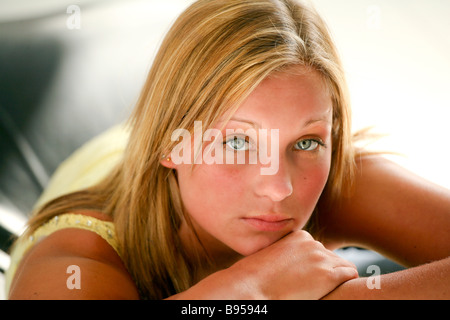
(214, 55)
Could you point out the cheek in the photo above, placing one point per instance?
(318, 174)
(316, 180)
(308, 186)
(211, 191)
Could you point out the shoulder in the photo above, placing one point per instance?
(392, 211)
(73, 264)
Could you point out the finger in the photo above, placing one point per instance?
(341, 261)
(341, 275)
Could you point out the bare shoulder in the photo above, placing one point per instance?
(72, 264)
(392, 211)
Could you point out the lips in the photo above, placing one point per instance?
(269, 222)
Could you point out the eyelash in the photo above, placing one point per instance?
(246, 139)
(318, 141)
(234, 138)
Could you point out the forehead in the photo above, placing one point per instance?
(295, 95)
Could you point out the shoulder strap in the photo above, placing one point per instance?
(104, 229)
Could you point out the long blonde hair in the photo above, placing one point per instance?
(214, 55)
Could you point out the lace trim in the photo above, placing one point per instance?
(104, 229)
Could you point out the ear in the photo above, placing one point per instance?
(167, 162)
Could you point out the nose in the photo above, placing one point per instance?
(276, 187)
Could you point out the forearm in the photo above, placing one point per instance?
(428, 281)
(227, 284)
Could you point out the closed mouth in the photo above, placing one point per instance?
(268, 222)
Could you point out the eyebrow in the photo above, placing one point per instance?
(313, 121)
(252, 123)
(306, 124)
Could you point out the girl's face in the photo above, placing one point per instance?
(235, 206)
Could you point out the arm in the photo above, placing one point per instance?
(390, 211)
(401, 216)
(267, 274)
(295, 267)
(429, 281)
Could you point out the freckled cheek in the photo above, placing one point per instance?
(228, 180)
(319, 178)
(309, 184)
(214, 187)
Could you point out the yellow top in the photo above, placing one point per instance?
(84, 168)
(104, 229)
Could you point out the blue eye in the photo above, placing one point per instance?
(237, 143)
(308, 145)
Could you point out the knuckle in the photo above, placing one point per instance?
(314, 246)
(323, 275)
(318, 257)
(302, 235)
(329, 274)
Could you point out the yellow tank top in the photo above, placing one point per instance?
(82, 169)
(104, 229)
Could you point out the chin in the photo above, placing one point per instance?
(253, 246)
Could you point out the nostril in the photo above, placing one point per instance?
(275, 191)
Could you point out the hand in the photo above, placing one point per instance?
(295, 267)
